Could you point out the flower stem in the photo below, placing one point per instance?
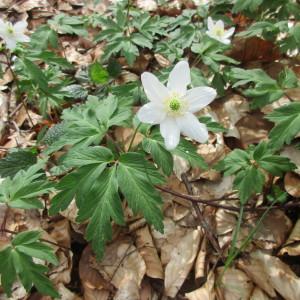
(133, 136)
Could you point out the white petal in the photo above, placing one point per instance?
(228, 33)
(170, 132)
(20, 26)
(190, 126)
(200, 97)
(180, 77)
(210, 23)
(225, 41)
(22, 38)
(154, 89)
(151, 113)
(220, 24)
(10, 43)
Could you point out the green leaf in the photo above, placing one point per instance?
(136, 178)
(98, 74)
(17, 263)
(212, 125)
(287, 124)
(102, 209)
(36, 74)
(161, 156)
(25, 188)
(244, 182)
(16, 160)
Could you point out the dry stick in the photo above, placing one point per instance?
(44, 240)
(207, 228)
(226, 207)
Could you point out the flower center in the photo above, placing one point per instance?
(219, 31)
(174, 105)
(10, 29)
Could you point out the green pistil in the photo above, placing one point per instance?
(175, 105)
(10, 29)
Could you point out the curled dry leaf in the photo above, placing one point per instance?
(148, 252)
(229, 111)
(181, 262)
(253, 128)
(258, 294)
(276, 274)
(206, 292)
(94, 285)
(167, 241)
(292, 245)
(292, 184)
(123, 266)
(28, 5)
(200, 265)
(274, 230)
(213, 190)
(235, 285)
(293, 154)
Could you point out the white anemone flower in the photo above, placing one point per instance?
(173, 106)
(13, 33)
(218, 32)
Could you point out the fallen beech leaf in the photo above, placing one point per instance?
(94, 285)
(294, 155)
(166, 242)
(27, 5)
(123, 266)
(253, 128)
(213, 190)
(181, 262)
(235, 285)
(206, 292)
(292, 184)
(292, 245)
(66, 294)
(201, 259)
(148, 251)
(229, 111)
(274, 230)
(258, 294)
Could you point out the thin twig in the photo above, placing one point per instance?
(213, 203)
(207, 228)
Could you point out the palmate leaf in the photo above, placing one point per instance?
(248, 167)
(25, 188)
(136, 178)
(87, 124)
(96, 184)
(287, 124)
(16, 262)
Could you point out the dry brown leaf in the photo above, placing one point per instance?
(253, 128)
(94, 285)
(123, 266)
(292, 184)
(274, 105)
(27, 5)
(181, 262)
(124, 135)
(148, 251)
(66, 294)
(6, 3)
(213, 190)
(206, 292)
(274, 230)
(292, 245)
(229, 111)
(171, 237)
(282, 278)
(253, 268)
(258, 294)
(235, 285)
(293, 154)
(200, 265)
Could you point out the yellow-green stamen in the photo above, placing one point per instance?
(174, 105)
